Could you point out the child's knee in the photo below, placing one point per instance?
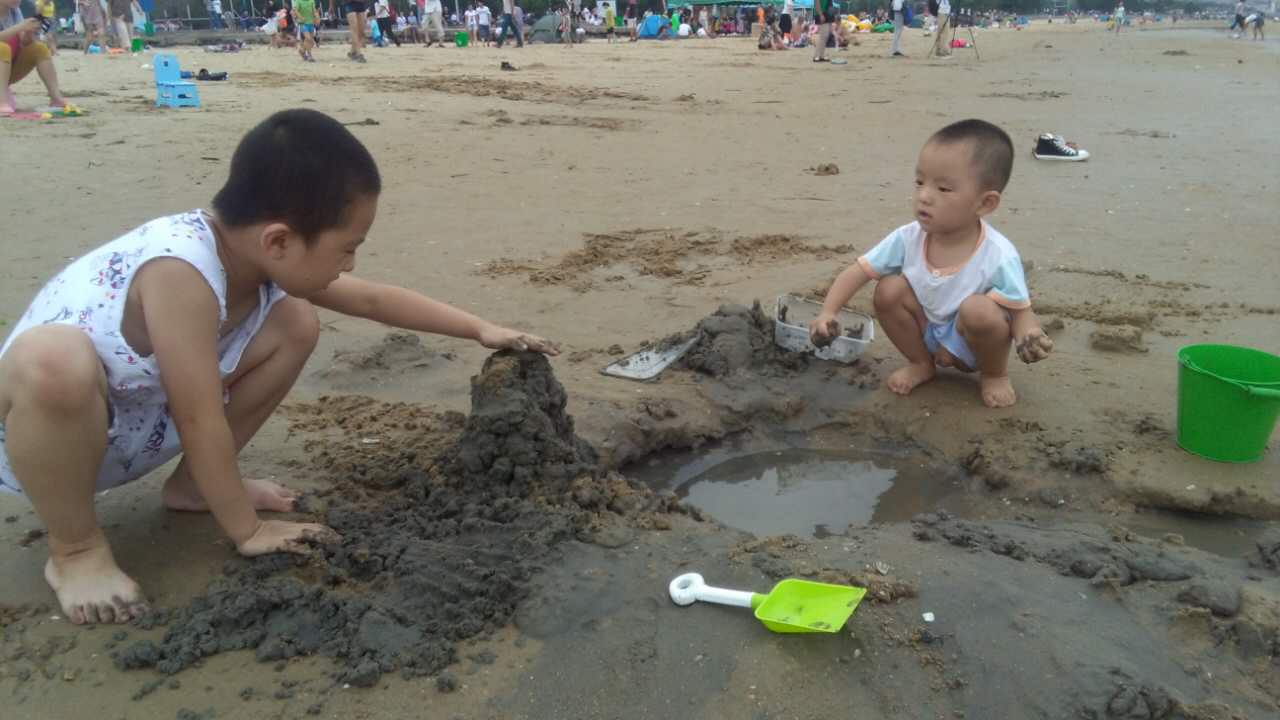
(979, 313)
(299, 322)
(54, 367)
(892, 291)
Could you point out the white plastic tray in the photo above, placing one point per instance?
(793, 332)
(647, 364)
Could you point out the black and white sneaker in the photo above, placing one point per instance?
(1053, 147)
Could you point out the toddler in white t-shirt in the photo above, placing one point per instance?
(950, 289)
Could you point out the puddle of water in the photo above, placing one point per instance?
(1225, 536)
(805, 492)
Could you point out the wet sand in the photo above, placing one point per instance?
(615, 195)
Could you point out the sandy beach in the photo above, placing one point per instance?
(1078, 563)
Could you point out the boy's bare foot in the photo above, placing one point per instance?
(905, 379)
(92, 589)
(265, 495)
(997, 392)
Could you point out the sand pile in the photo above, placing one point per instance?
(433, 550)
(735, 339)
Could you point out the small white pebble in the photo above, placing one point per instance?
(928, 617)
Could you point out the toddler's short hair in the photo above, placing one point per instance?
(992, 153)
(299, 167)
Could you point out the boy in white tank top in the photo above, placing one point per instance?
(183, 336)
(950, 289)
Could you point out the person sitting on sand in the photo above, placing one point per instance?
(950, 289)
(183, 336)
(771, 38)
(20, 53)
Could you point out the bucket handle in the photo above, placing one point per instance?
(1250, 388)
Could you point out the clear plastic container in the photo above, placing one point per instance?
(791, 330)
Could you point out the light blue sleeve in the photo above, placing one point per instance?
(1009, 285)
(887, 257)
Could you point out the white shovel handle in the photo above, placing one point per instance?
(689, 587)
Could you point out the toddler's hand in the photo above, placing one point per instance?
(1034, 346)
(823, 329)
(275, 536)
(500, 338)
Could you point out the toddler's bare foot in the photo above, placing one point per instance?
(997, 392)
(181, 495)
(92, 589)
(905, 379)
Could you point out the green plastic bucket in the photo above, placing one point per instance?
(1228, 401)
(460, 39)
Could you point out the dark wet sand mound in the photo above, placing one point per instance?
(435, 550)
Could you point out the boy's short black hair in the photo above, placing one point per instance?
(299, 167)
(992, 150)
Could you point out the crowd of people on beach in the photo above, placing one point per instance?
(30, 43)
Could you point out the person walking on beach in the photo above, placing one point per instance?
(1238, 23)
(571, 12)
(382, 11)
(822, 16)
(899, 24)
(304, 16)
(121, 18)
(92, 19)
(784, 24)
(469, 16)
(484, 19)
(1259, 19)
(433, 22)
(356, 22)
(509, 24)
(631, 17)
(940, 47)
(1119, 18)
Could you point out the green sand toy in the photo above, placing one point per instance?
(792, 606)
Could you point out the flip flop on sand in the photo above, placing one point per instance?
(65, 111)
(24, 115)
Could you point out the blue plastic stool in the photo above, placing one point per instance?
(171, 89)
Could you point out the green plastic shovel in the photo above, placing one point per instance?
(792, 606)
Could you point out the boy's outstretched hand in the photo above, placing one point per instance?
(500, 338)
(274, 536)
(1034, 346)
(823, 329)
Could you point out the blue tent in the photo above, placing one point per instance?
(652, 25)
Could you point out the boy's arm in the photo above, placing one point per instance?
(410, 310)
(846, 285)
(181, 317)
